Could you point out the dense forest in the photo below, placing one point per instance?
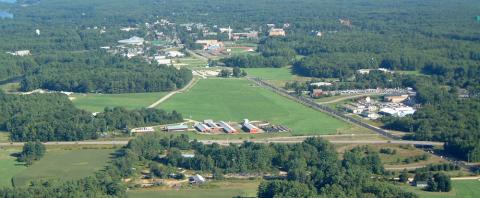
(444, 118)
(313, 167)
(99, 72)
(435, 37)
(53, 117)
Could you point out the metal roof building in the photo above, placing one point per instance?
(250, 127)
(197, 179)
(180, 127)
(202, 127)
(227, 127)
(133, 41)
(210, 123)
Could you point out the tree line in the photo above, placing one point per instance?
(100, 72)
(53, 117)
(443, 117)
(313, 167)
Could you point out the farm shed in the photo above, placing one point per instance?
(227, 127)
(177, 128)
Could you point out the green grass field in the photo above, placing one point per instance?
(283, 73)
(97, 102)
(461, 188)
(10, 87)
(236, 99)
(415, 73)
(65, 165)
(216, 190)
(9, 167)
(4, 136)
(278, 76)
(191, 61)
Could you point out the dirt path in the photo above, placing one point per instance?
(196, 55)
(403, 167)
(166, 97)
(466, 178)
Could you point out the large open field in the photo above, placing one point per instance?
(65, 164)
(276, 76)
(4, 136)
(223, 189)
(461, 189)
(396, 161)
(283, 73)
(9, 167)
(97, 102)
(10, 87)
(237, 99)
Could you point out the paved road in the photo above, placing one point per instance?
(323, 108)
(348, 97)
(166, 97)
(71, 143)
(291, 141)
(283, 140)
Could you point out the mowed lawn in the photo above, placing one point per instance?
(220, 190)
(98, 102)
(461, 188)
(283, 73)
(65, 165)
(4, 136)
(278, 76)
(237, 99)
(9, 166)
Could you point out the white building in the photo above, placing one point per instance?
(370, 115)
(20, 53)
(133, 41)
(197, 179)
(318, 84)
(174, 54)
(162, 60)
(404, 111)
(276, 32)
(397, 112)
(367, 71)
(128, 29)
(364, 71)
(143, 130)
